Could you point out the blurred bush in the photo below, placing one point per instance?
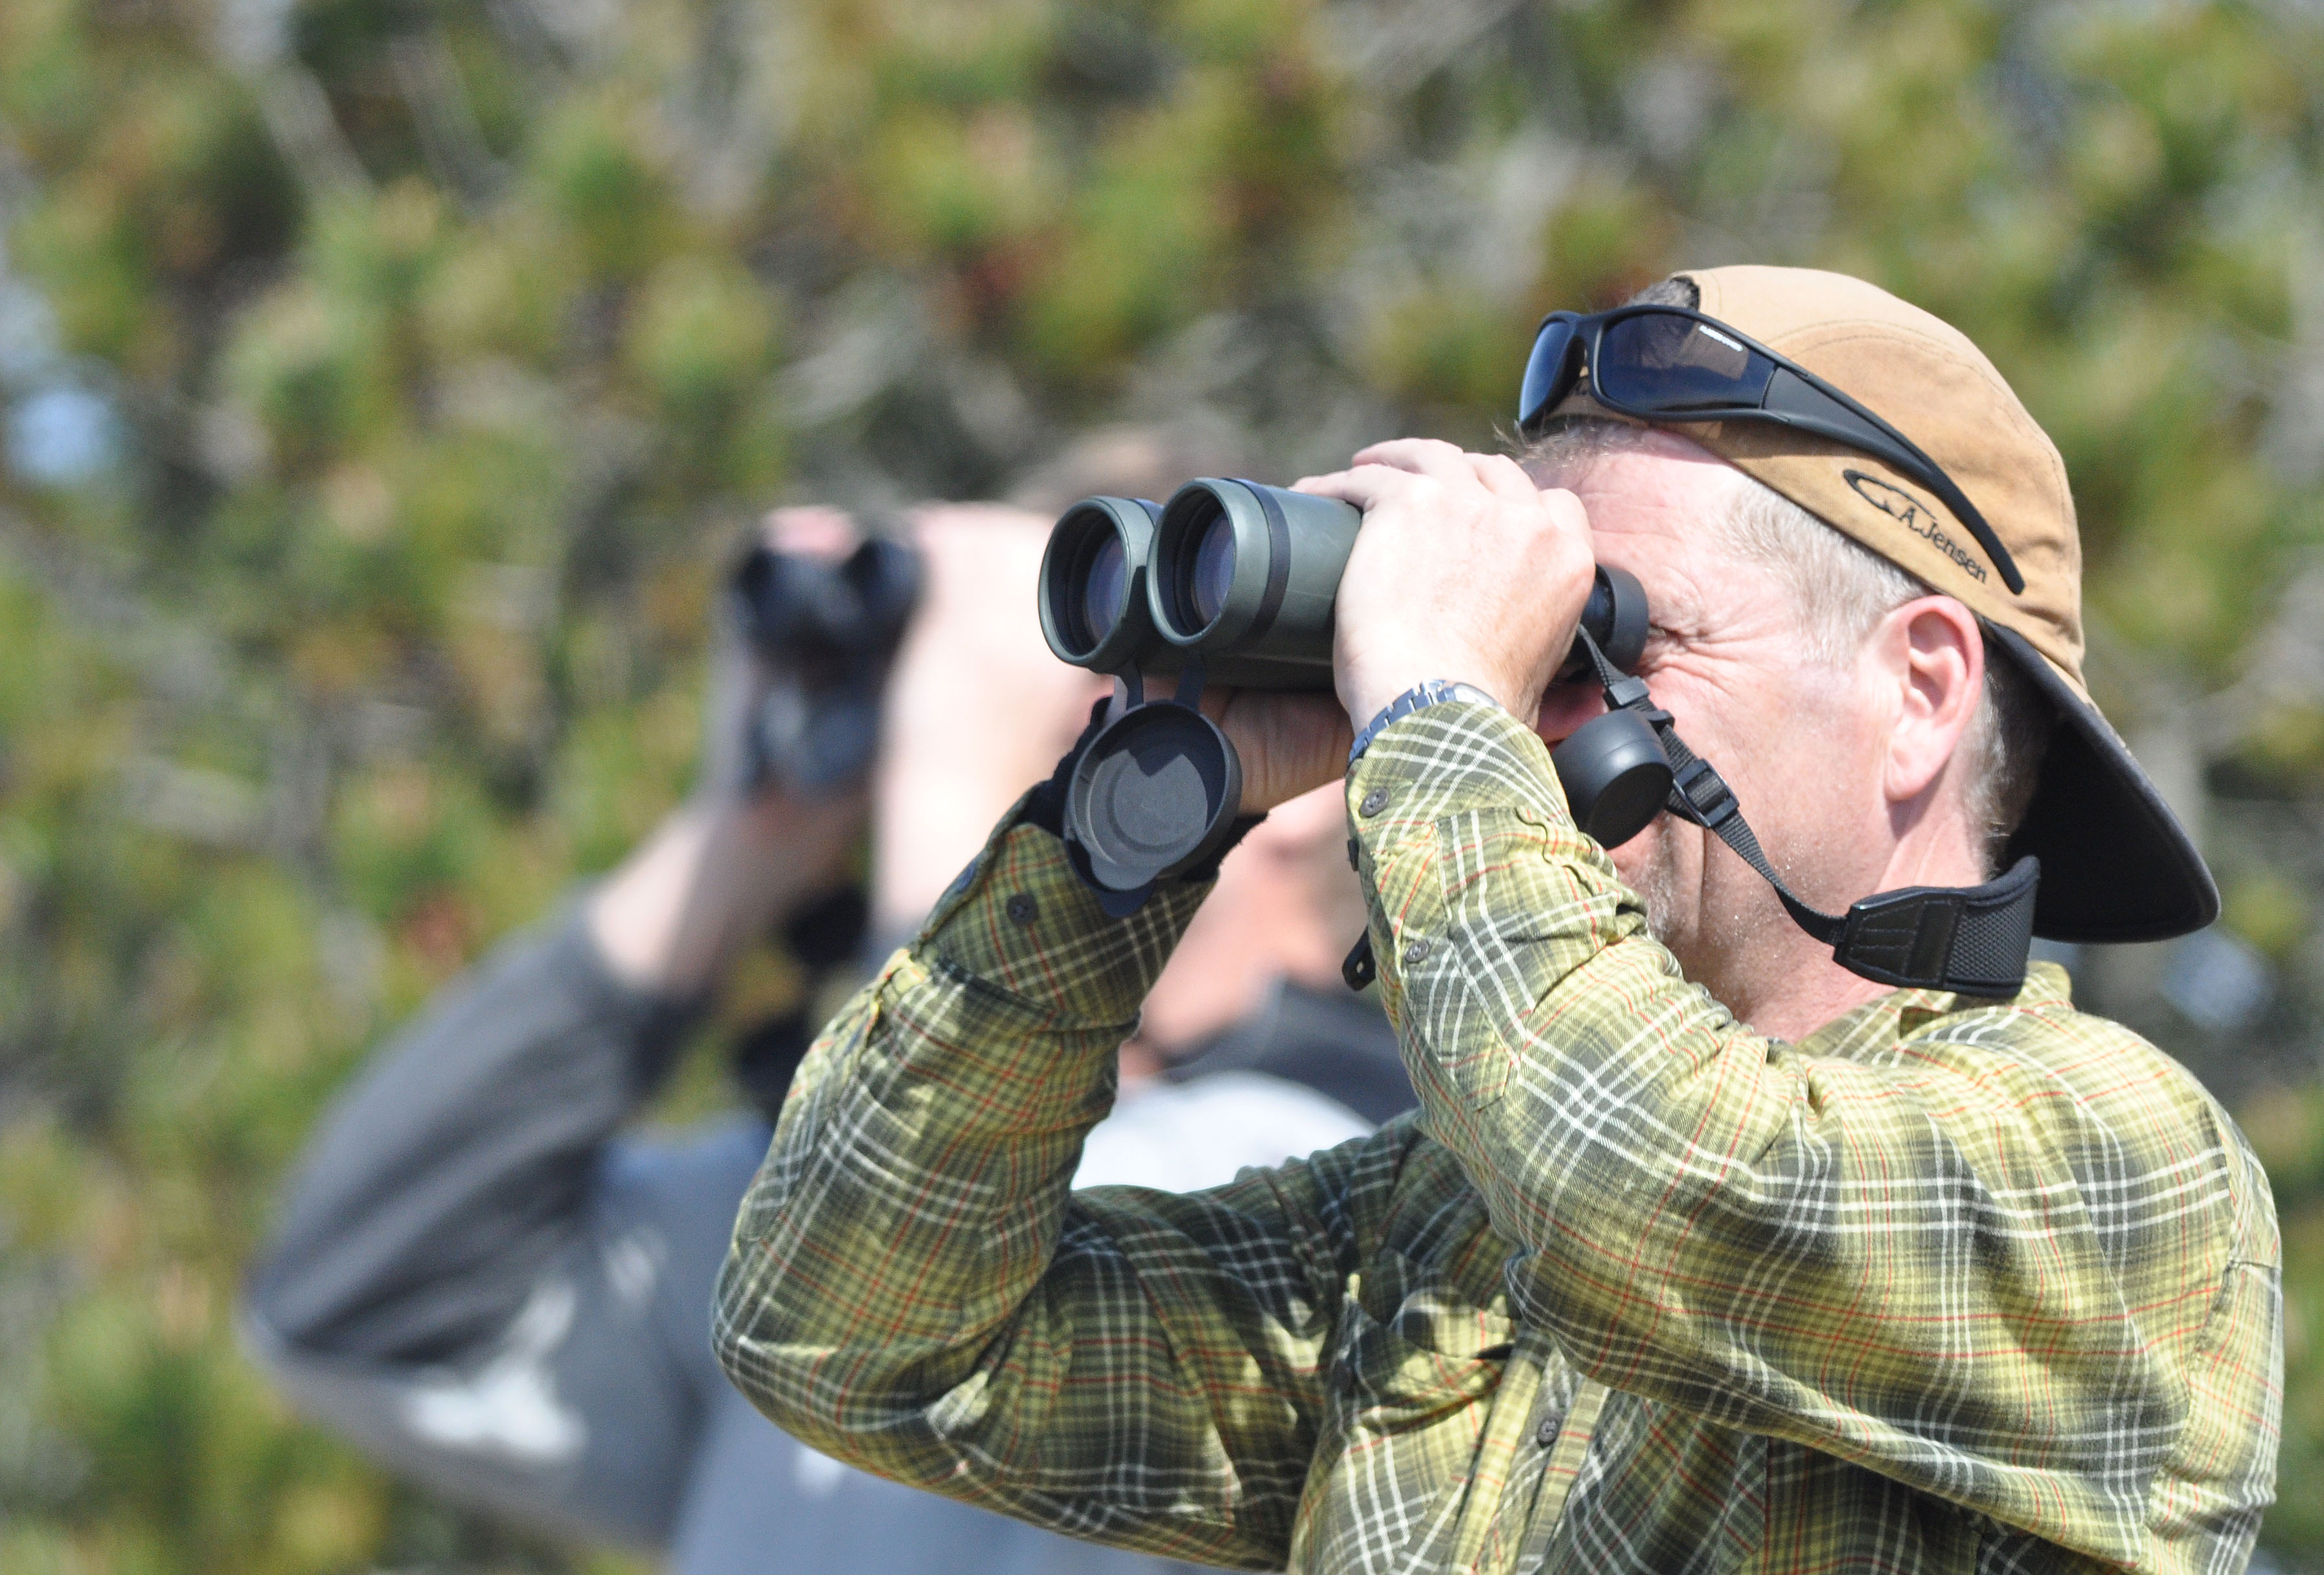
(387, 379)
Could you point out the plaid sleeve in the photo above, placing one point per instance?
(913, 1289)
(2019, 1261)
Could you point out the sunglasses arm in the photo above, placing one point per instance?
(1793, 400)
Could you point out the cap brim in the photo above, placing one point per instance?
(2115, 863)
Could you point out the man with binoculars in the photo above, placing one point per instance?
(1744, 1225)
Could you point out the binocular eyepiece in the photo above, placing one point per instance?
(1233, 583)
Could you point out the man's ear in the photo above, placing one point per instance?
(1936, 659)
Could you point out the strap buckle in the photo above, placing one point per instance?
(1703, 795)
(1629, 693)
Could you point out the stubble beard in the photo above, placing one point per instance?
(1657, 886)
(1715, 948)
(1673, 900)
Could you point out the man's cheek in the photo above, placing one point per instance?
(1645, 855)
(1565, 708)
(1662, 866)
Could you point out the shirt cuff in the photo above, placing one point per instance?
(1019, 920)
(1442, 763)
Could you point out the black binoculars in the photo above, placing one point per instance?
(827, 631)
(1233, 583)
(1240, 578)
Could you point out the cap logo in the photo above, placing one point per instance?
(1914, 516)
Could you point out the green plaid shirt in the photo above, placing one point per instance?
(1951, 1284)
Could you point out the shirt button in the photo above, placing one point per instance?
(1023, 910)
(1374, 802)
(1546, 1433)
(1417, 951)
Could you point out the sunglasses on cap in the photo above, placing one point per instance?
(1665, 364)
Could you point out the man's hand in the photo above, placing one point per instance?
(1289, 744)
(1464, 570)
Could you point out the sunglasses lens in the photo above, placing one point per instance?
(1548, 373)
(1659, 363)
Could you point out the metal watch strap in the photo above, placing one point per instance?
(1426, 693)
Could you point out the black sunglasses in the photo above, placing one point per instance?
(1665, 363)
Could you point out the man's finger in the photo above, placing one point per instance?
(810, 531)
(1366, 485)
(1504, 477)
(1290, 742)
(1428, 457)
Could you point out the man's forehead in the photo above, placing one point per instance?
(1639, 457)
(1655, 507)
(1671, 488)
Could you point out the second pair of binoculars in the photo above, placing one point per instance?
(1240, 578)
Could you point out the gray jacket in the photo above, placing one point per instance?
(489, 1286)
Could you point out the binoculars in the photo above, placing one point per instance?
(1239, 579)
(828, 631)
(1233, 583)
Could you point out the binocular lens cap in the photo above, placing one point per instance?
(1154, 794)
(1615, 775)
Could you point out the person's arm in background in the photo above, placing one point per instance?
(454, 1280)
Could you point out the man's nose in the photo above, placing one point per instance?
(1564, 707)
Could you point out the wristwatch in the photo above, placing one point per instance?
(1426, 693)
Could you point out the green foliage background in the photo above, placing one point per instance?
(452, 344)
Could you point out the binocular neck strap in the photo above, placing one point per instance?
(1969, 939)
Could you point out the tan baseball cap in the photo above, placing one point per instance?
(2115, 863)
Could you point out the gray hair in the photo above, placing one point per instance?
(1842, 590)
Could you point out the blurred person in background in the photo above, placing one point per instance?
(488, 1282)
